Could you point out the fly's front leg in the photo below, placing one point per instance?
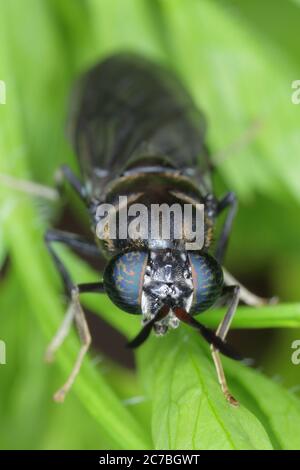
(247, 296)
(39, 190)
(65, 173)
(73, 241)
(75, 311)
(222, 331)
(229, 201)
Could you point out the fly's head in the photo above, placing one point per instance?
(167, 281)
(163, 281)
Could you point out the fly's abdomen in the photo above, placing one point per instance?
(129, 112)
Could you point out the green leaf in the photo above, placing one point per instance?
(270, 316)
(113, 34)
(189, 409)
(276, 408)
(238, 79)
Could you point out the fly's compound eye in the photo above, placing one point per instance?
(123, 280)
(208, 281)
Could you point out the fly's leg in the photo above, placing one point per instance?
(65, 173)
(29, 187)
(216, 340)
(248, 136)
(72, 240)
(78, 315)
(70, 316)
(229, 201)
(245, 295)
(75, 311)
(39, 190)
(222, 333)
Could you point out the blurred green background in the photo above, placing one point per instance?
(238, 59)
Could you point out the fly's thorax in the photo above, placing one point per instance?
(143, 212)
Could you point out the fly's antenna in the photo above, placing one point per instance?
(207, 334)
(146, 330)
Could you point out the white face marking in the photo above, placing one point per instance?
(167, 280)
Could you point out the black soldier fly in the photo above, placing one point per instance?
(137, 133)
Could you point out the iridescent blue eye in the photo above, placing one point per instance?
(123, 279)
(207, 281)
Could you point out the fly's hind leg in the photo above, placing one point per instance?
(222, 333)
(247, 296)
(75, 312)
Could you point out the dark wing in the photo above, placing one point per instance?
(127, 108)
